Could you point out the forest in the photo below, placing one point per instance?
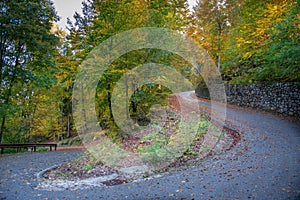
(250, 41)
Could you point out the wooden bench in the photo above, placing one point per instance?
(28, 145)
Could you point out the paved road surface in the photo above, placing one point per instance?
(264, 165)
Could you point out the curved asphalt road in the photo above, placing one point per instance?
(265, 164)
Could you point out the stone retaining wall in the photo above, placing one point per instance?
(283, 98)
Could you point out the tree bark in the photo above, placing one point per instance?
(109, 100)
(69, 120)
(2, 128)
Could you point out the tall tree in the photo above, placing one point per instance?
(111, 17)
(281, 49)
(26, 53)
(264, 42)
(212, 20)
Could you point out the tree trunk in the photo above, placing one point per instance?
(127, 101)
(61, 137)
(69, 125)
(69, 120)
(108, 86)
(2, 128)
(219, 54)
(84, 127)
(109, 100)
(220, 28)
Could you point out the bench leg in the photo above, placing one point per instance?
(2, 150)
(50, 148)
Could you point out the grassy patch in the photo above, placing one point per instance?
(14, 150)
(41, 149)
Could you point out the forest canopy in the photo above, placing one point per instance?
(250, 41)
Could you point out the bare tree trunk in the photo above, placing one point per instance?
(2, 128)
(84, 127)
(109, 100)
(219, 53)
(69, 120)
(108, 86)
(220, 27)
(62, 122)
(127, 101)
(69, 125)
